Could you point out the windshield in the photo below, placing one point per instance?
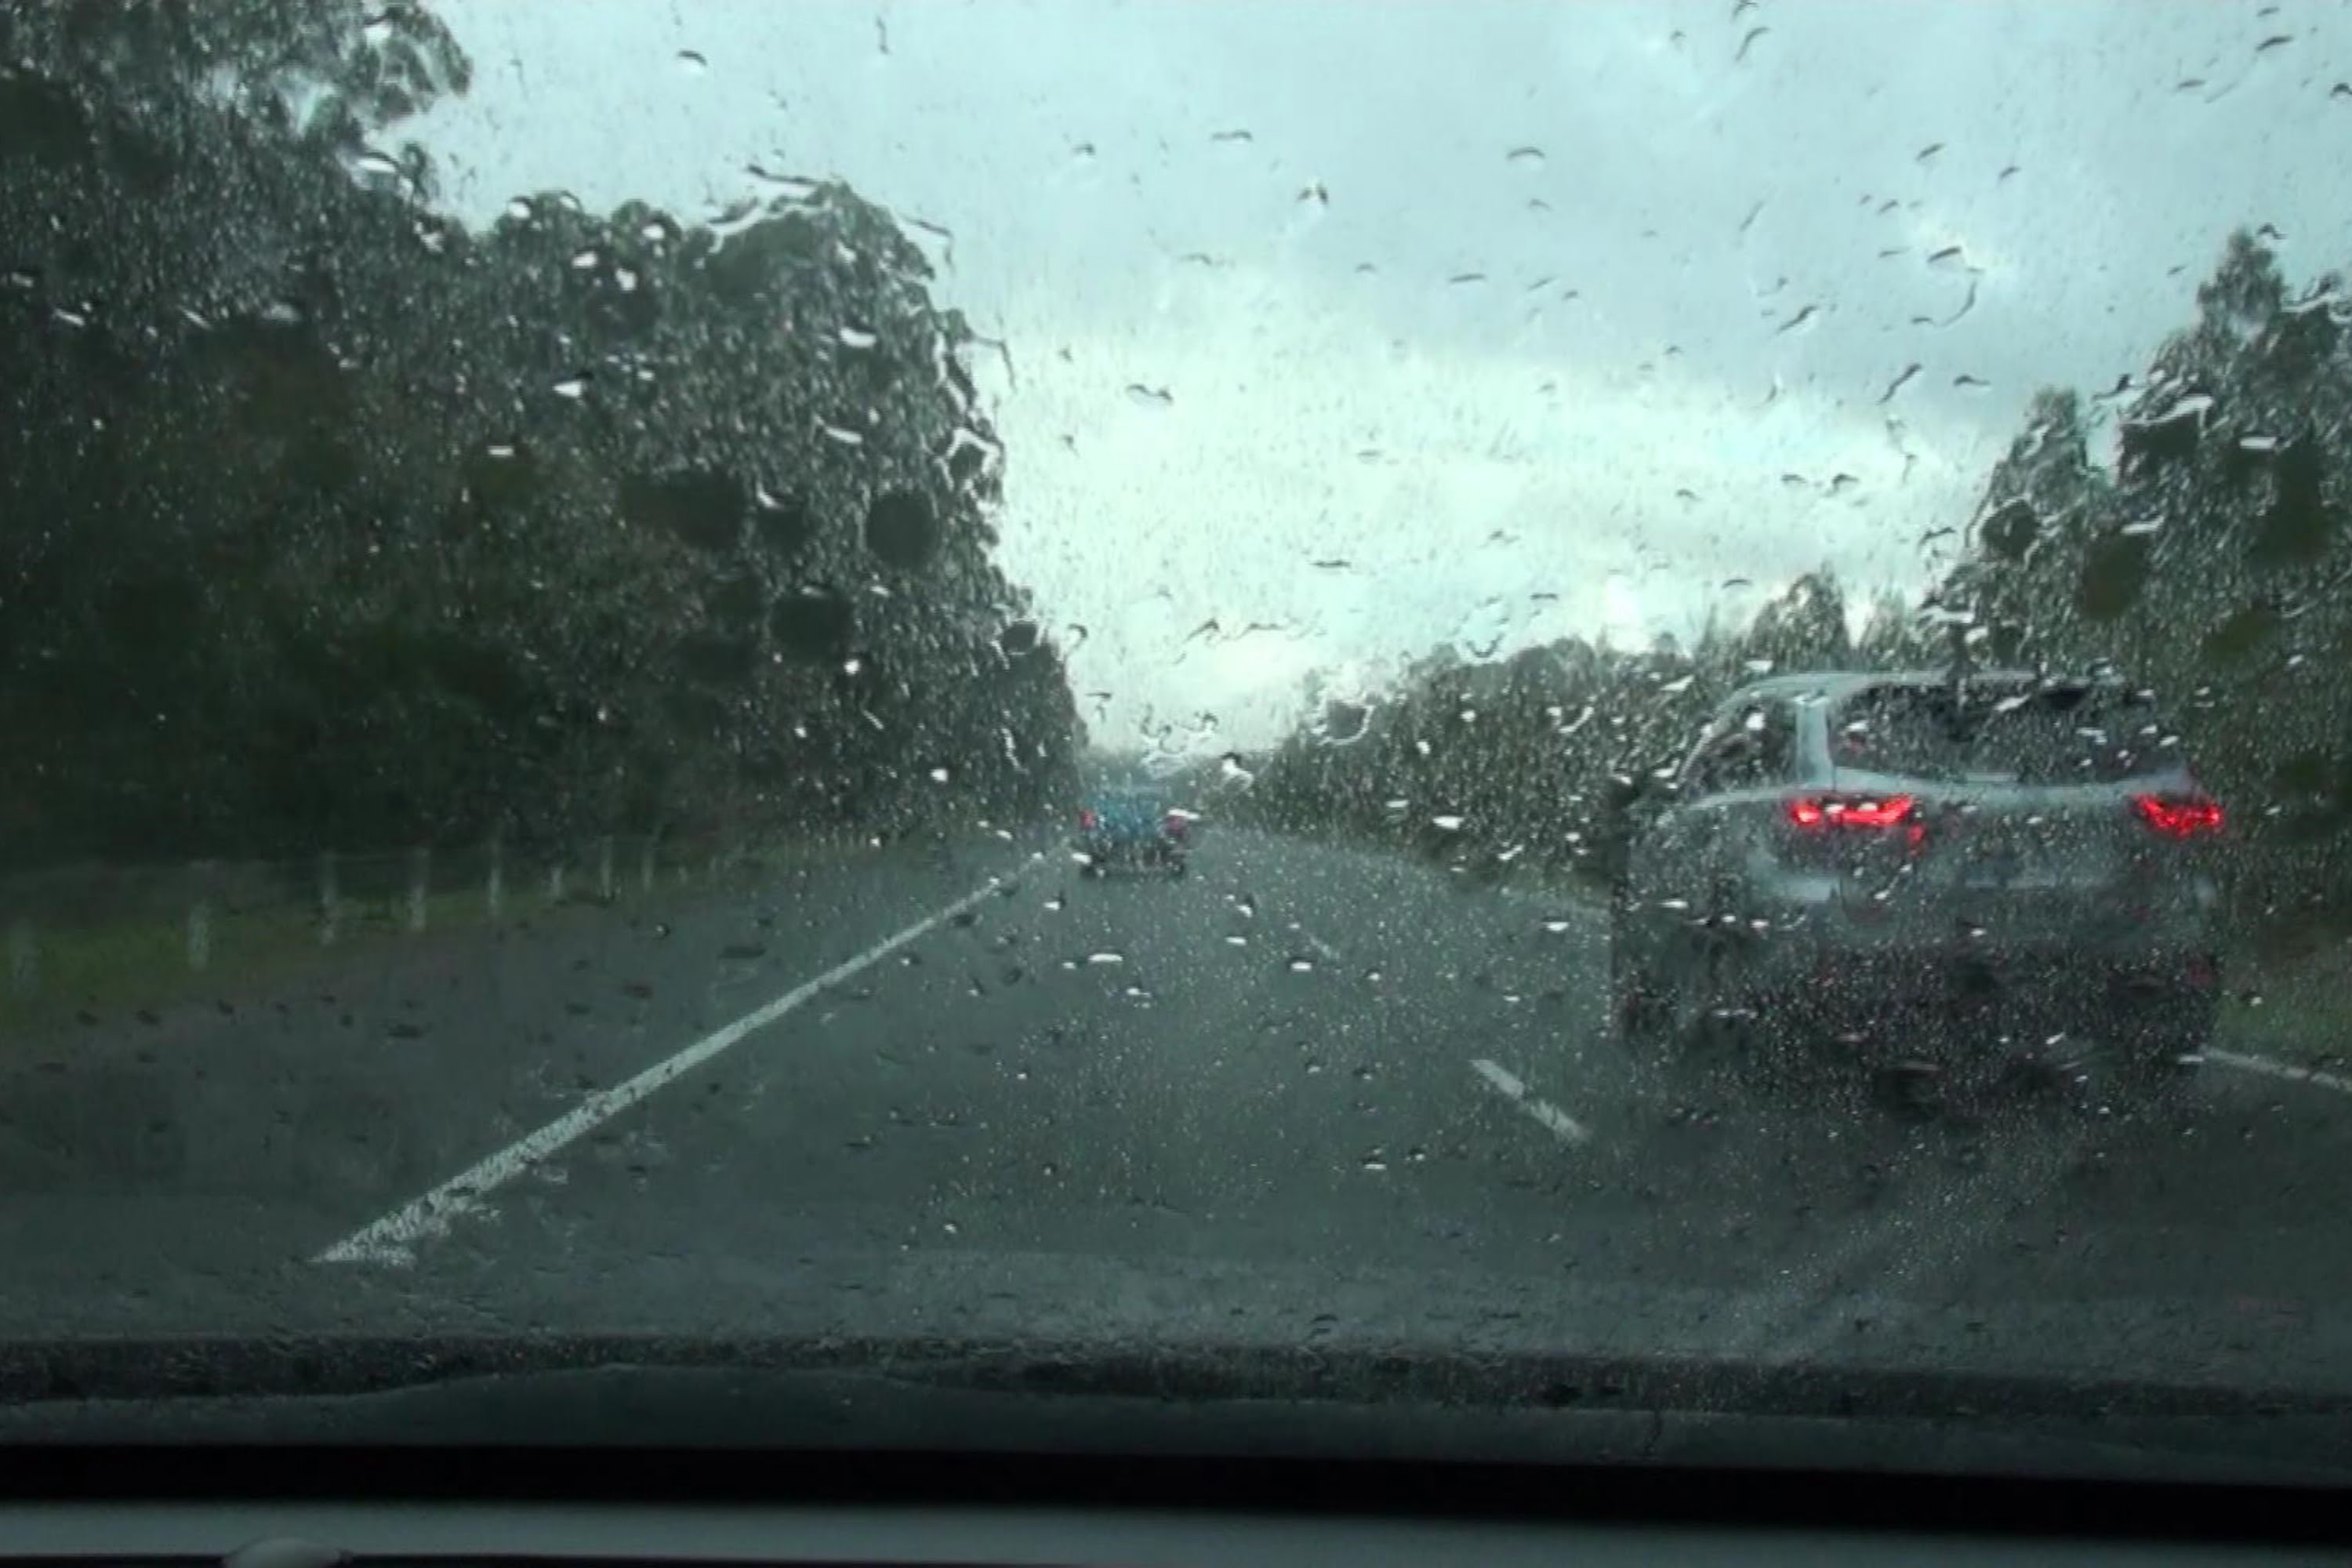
(1068, 678)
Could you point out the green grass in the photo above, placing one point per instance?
(2293, 1011)
(107, 970)
(110, 970)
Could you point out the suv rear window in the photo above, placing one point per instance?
(2050, 734)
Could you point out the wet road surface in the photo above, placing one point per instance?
(1304, 1093)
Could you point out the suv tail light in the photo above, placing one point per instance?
(1088, 821)
(1821, 812)
(2178, 816)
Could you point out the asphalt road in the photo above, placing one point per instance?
(1304, 1093)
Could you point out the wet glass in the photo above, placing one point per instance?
(1353, 701)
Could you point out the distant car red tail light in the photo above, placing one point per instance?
(1827, 811)
(1088, 821)
(1175, 825)
(2178, 817)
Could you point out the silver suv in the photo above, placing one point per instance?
(1932, 881)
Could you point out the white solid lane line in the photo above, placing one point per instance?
(392, 1238)
(2271, 1068)
(1558, 1122)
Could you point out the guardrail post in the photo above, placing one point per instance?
(604, 868)
(420, 886)
(200, 919)
(24, 957)
(555, 883)
(330, 903)
(646, 868)
(495, 894)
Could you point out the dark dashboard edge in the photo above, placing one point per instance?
(2168, 1512)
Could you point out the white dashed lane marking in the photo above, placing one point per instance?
(1550, 1117)
(2269, 1068)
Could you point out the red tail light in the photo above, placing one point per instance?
(1823, 812)
(1175, 824)
(2179, 817)
(1088, 820)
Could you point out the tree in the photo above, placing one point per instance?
(332, 522)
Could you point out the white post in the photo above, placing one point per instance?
(331, 912)
(200, 934)
(496, 893)
(555, 883)
(420, 886)
(24, 956)
(604, 868)
(646, 868)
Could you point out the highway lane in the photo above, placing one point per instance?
(1306, 1093)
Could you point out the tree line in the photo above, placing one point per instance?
(326, 520)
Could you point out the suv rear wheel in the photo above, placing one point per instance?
(1670, 1035)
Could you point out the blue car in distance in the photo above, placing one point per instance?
(1136, 826)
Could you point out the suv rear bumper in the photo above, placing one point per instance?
(1160, 850)
(1975, 998)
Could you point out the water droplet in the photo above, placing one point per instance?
(1555, 926)
(939, 775)
(2258, 443)
(1524, 157)
(1144, 397)
(1315, 196)
(692, 62)
(585, 260)
(1236, 940)
(1302, 967)
(573, 387)
(857, 338)
(843, 433)
(520, 210)
(1376, 1162)
(1447, 823)
(373, 162)
(1105, 958)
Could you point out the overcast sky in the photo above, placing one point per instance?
(1359, 328)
